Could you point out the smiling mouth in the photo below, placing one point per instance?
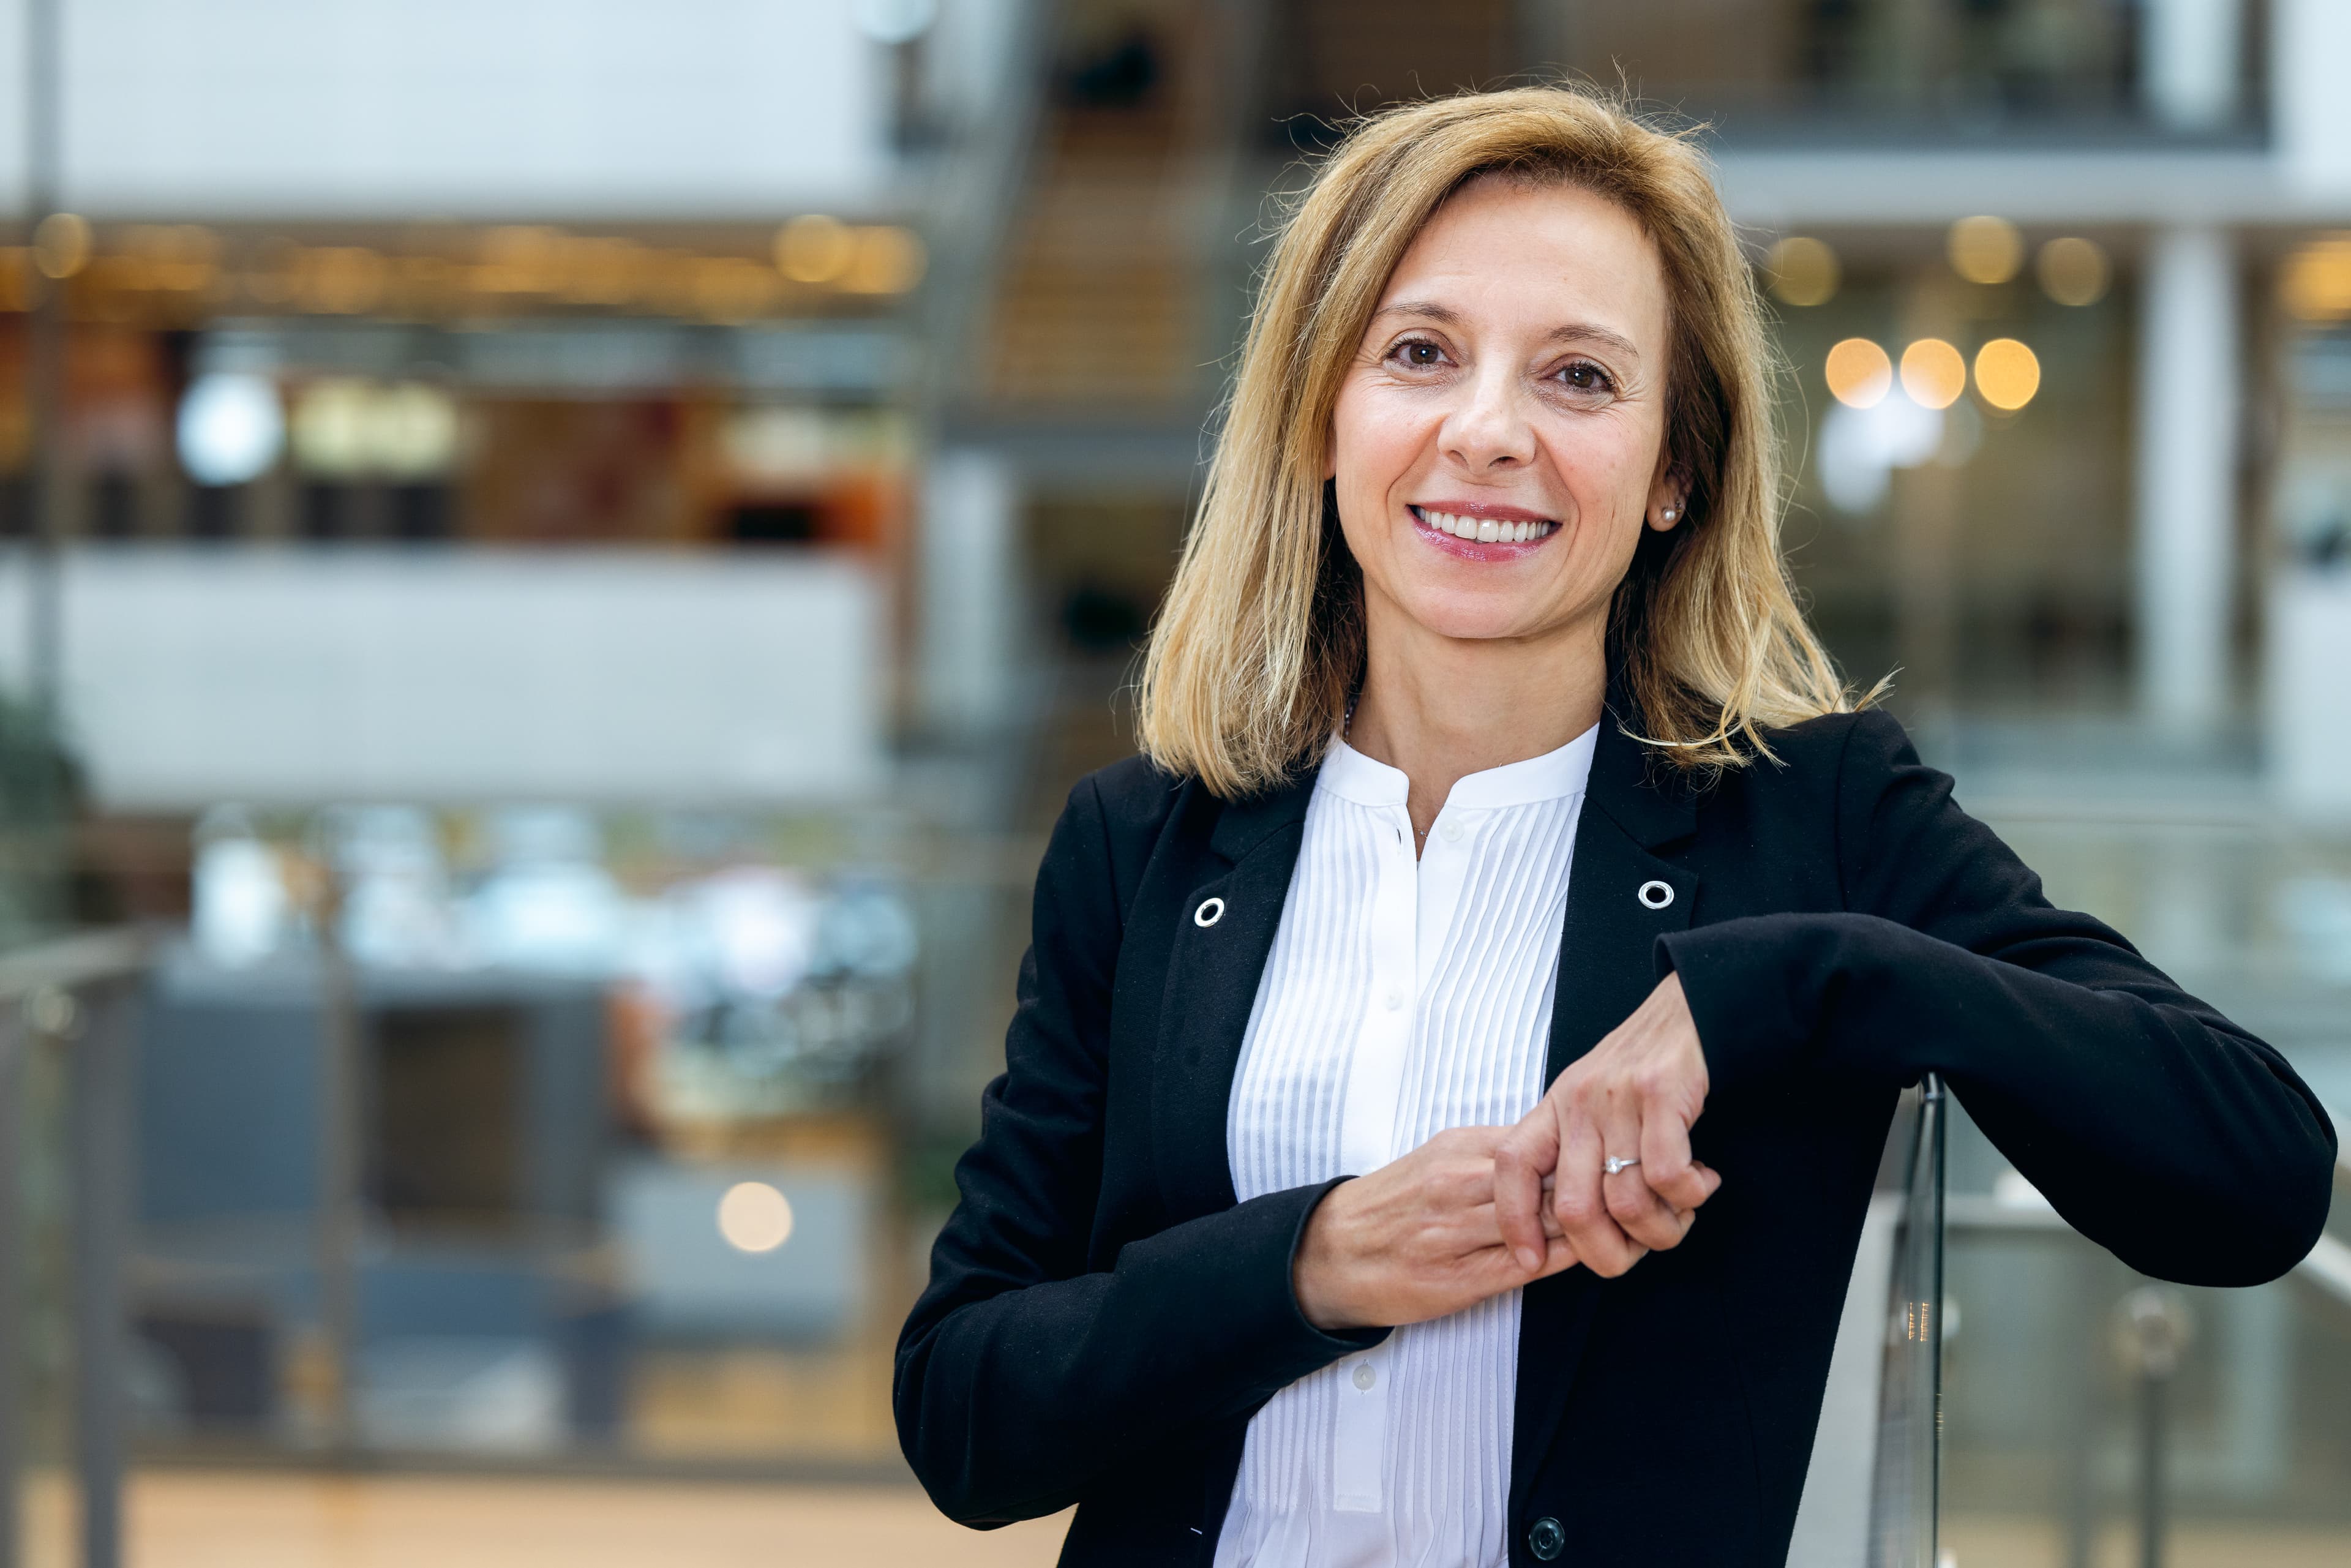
(1486, 530)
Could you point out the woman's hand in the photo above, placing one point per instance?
(1635, 1097)
(1414, 1240)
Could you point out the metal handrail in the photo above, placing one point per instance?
(69, 963)
(82, 992)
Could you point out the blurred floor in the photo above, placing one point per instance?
(1978, 1542)
(194, 1518)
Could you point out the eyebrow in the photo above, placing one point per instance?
(1572, 332)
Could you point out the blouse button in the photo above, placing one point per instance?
(1449, 830)
(1547, 1539)
(1365, 1376)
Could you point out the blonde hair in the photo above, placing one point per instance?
(1260, 642)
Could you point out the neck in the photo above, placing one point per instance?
(1438, 707)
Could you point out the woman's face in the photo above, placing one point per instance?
(1498, 441)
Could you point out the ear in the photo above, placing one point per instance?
(1668, 499)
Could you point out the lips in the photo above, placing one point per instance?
(1523, 528)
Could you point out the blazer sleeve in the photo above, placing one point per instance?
(1024, 1373)
(2156, 1126)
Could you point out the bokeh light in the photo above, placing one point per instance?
(231, 428)
(1859, 373)
(888, 261)
(754, 1216)
(1802, 271)
(1933, 373)
(814, 248)
(2316, 286)
(61, 244)
(347, 428)
(2007, 373)
(2073, 270)
(1985, 250)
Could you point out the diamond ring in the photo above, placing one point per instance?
(1617, 1167)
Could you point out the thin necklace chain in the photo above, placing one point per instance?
(1346, 728)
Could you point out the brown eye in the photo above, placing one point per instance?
(1419, 354)
(1585, 376)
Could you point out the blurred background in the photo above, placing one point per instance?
(559, 561)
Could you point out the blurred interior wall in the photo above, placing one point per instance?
(2187, 476)
(972, 620)
(279, 108)
(2310, 112)
(2194, 68)
(458, 675)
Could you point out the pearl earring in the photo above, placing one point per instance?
(1672, 512)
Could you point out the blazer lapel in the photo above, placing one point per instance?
(1224, 929)
(1605, 968)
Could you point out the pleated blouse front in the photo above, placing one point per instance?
(1402, 996)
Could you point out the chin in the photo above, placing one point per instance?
(1473, 615)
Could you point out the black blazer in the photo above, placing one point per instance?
(1103, 1317)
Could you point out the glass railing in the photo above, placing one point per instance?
(71, 1009)
(552, 1138)
(1908, 1476)
(1940, 69)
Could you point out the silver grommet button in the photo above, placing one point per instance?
(1209, 913)
(1656, 894)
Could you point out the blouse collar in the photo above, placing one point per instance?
(1351, 776)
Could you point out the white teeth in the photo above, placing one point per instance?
(1486, 530)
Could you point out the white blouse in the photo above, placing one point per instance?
(1401, 997)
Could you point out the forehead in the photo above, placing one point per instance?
(1515, 250)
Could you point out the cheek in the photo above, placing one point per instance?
(1375, 441)
(1607, 467)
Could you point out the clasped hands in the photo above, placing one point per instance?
(1476, 1211)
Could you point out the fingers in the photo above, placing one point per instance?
(1493, 1270)
(1666, 1167)
(1583, 1207)
(1521, 1159)
(1632, 1204)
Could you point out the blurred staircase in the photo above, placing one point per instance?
(1100, 348)
(1100, 313)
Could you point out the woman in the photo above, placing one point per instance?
(1453, 1061)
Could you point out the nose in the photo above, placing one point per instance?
(1489, 431)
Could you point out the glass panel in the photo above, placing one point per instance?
(1903, 1499)
(620, 1147)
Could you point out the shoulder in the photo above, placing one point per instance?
(1115, 821)
(1132, 797)
(1827, 747)
(1825, 788)
(1821, 759)
(1124, 810)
